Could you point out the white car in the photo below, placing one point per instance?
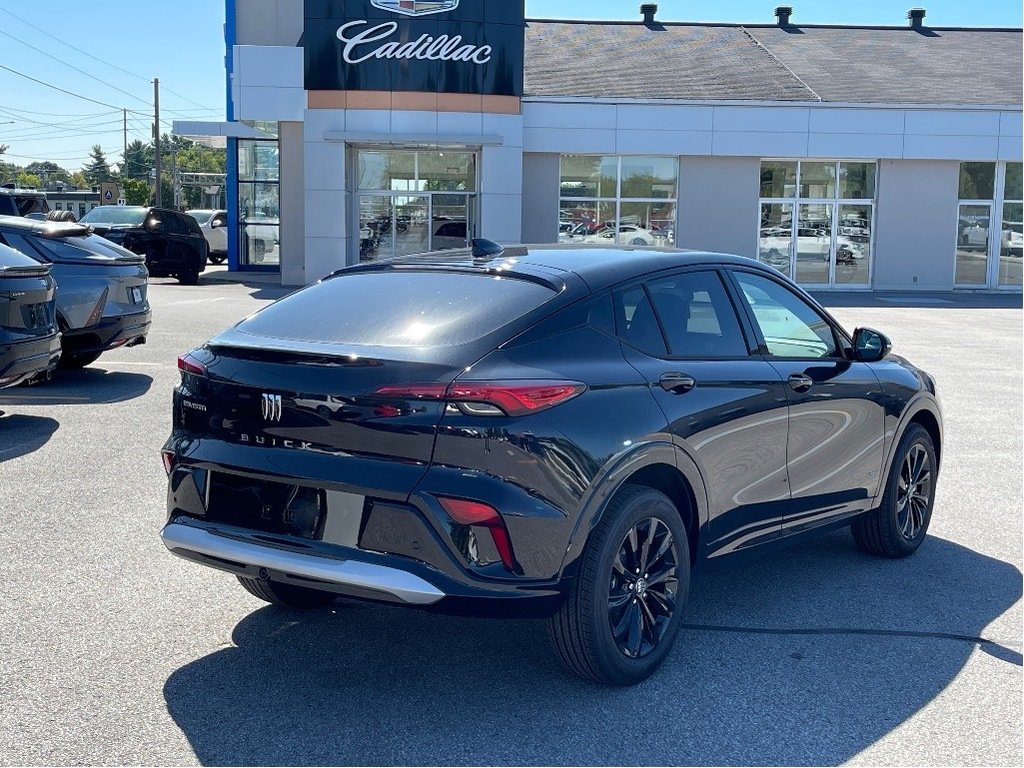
(629, 235)
(214, 225)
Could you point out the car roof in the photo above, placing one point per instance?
(45, 228)
(598, 266)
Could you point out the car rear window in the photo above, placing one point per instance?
(399, 309)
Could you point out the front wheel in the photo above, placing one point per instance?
(623, 612)
(899, 524)
(217, 258)
(286, 594)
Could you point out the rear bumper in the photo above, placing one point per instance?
(110, 332)
(26, 359)
(242, 551)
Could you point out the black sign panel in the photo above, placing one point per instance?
(432, 46)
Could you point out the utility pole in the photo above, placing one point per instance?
(156, 140)
(125, 155)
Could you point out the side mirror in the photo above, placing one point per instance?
(216, 224)
(870, 346)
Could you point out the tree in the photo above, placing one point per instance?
(136, 191)
(138, 160)
(48, 171)
(99, 169)
(28, 181)
(3, 148)
(78, 180)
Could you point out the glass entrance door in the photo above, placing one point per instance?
(972, 245)
(400, 225)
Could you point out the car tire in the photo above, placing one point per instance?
(261, 250)
(287, 595)
(190, 275)
(608, 588)
(899, 524)
(72, 360)
(638, 241)
(217, 258)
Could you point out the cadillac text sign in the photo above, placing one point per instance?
(433, 46)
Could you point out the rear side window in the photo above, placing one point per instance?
(638, 325)
(399, 309)
(698, 316)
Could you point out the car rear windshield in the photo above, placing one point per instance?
(115, 214)
(399, 309)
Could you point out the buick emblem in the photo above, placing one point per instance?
(271, 407)
(415, 7)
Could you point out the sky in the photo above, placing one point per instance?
(107, 52)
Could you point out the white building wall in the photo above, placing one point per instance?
(718, 204)
(916, 224)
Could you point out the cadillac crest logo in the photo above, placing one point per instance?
(415, 7)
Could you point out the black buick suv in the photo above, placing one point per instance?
(559, 431)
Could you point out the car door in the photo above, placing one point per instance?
(726, 407)
(836, 424)
(218, 232)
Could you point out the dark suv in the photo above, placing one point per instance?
(556, 430)
(23, 202)
(172, 242)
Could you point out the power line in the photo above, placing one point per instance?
(54, 87)
(72, 66)
(56, 114)
(101, 61)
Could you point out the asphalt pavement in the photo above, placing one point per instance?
(112, 651)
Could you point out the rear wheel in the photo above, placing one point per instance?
(899, 524)
(189, 275)
(261, 251)
(286, 594)
(70, 360)
(217, 258)
(624, 609)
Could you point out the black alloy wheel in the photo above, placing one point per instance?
(899, 524)
(643, 588)
(623, 611)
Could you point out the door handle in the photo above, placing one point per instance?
(677, 383)
(799, 382)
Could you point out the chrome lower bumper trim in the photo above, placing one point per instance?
(399, 584)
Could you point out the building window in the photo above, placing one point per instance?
(817, 219)
(611, 199)
(411, 202)
(989, 192)
(259, 202)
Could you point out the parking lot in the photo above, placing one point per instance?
(114, 651)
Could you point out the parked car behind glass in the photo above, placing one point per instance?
(560, 431)
(29, 338)
(172, 242)
(102, 289)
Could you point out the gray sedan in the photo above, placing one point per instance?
(102, 300)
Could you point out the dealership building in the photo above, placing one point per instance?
(849, 157)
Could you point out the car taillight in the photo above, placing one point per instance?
(168, 457)
(491, 398)
(188, 364)
(467, 512)
(512, 398)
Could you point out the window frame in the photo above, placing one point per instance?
(837, 201)
(618, 201)
(993, 256)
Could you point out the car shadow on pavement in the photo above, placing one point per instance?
(807, 656)
(85, 386)
(21, 435)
